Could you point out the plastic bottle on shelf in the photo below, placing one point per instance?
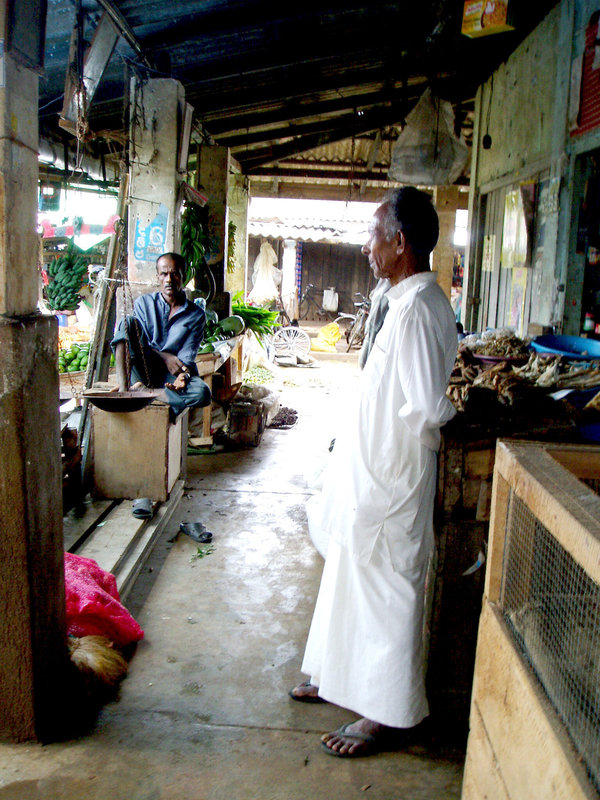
(588, 323)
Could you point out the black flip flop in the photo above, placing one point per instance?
(142, 508)
(196, 531)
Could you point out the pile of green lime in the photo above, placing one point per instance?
(75, 358)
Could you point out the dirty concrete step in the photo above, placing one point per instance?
(119, 542)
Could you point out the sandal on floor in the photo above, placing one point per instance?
(305, 698)
(196, 531)
(142, 508)
(372, 743)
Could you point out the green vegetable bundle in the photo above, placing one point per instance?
(194, 240)
(216, 331)
(260, 320)
(67, 274)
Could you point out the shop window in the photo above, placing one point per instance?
(588, 246)
(49, 197)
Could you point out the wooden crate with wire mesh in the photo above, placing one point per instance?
(535, 711)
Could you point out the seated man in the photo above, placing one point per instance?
(162, 340)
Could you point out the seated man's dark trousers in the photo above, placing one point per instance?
(149, 368)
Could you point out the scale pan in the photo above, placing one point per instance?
(119, 401)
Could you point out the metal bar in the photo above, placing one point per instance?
(125, 30)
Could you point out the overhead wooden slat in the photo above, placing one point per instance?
(267, 155)
(341, 122)
(227, 121)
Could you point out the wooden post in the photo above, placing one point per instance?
(33, 653)
(447, 200)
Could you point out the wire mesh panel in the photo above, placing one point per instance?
(553, 609)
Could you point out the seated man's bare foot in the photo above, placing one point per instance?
(355, 739)
(306, 692)
(137, 387)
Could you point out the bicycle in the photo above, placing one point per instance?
(355, 334)
(307, 300)
(289, 339)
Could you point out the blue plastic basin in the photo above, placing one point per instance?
(568, 346)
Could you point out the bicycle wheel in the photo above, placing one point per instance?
(304, 306)
(357, 332)
(291, 342)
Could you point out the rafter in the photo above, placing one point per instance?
(301, 108)
(300, 144)
(321, 126)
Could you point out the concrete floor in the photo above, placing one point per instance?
(204, 712)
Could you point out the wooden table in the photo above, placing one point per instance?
(210, 363)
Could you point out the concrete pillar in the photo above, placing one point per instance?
(237, 215)
(213, 181)
(33, 653)
(446, 201)
(289, 292)
(155, 108)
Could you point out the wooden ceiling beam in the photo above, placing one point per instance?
(274, 23)
(331, 173)
(299, 110)
(300, 144)
(296, 130)
(290, 88)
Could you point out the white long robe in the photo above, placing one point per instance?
(364, 649)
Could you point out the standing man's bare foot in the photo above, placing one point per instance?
(355, 739)
(306, 693)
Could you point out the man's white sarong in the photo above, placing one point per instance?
(365, 645)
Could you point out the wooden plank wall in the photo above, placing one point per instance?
(340, 265)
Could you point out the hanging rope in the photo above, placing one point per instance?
(122, 279)
(351, 171)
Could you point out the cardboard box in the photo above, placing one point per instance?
(484, 17)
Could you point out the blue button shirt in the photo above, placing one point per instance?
(180, 335)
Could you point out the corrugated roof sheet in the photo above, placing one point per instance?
(304, 230)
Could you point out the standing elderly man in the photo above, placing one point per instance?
(364, 650)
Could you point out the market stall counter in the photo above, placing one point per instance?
(511, 398)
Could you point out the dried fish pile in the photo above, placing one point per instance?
(497, 344)
(557, 372)
(469, 374)
(510, 381)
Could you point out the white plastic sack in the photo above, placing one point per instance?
(330, 300)
(266, 277)
(254, 354)
(427, 152)
(269, 399)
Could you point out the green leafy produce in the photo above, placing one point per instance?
(231, 232)
(219, 331)
(258, 375)
(195, 241)
(67, 275)
(260, 320)
(201, 552)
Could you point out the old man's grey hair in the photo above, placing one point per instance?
(411, 211)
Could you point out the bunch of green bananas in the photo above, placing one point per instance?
(194, 240)
(67, 274)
